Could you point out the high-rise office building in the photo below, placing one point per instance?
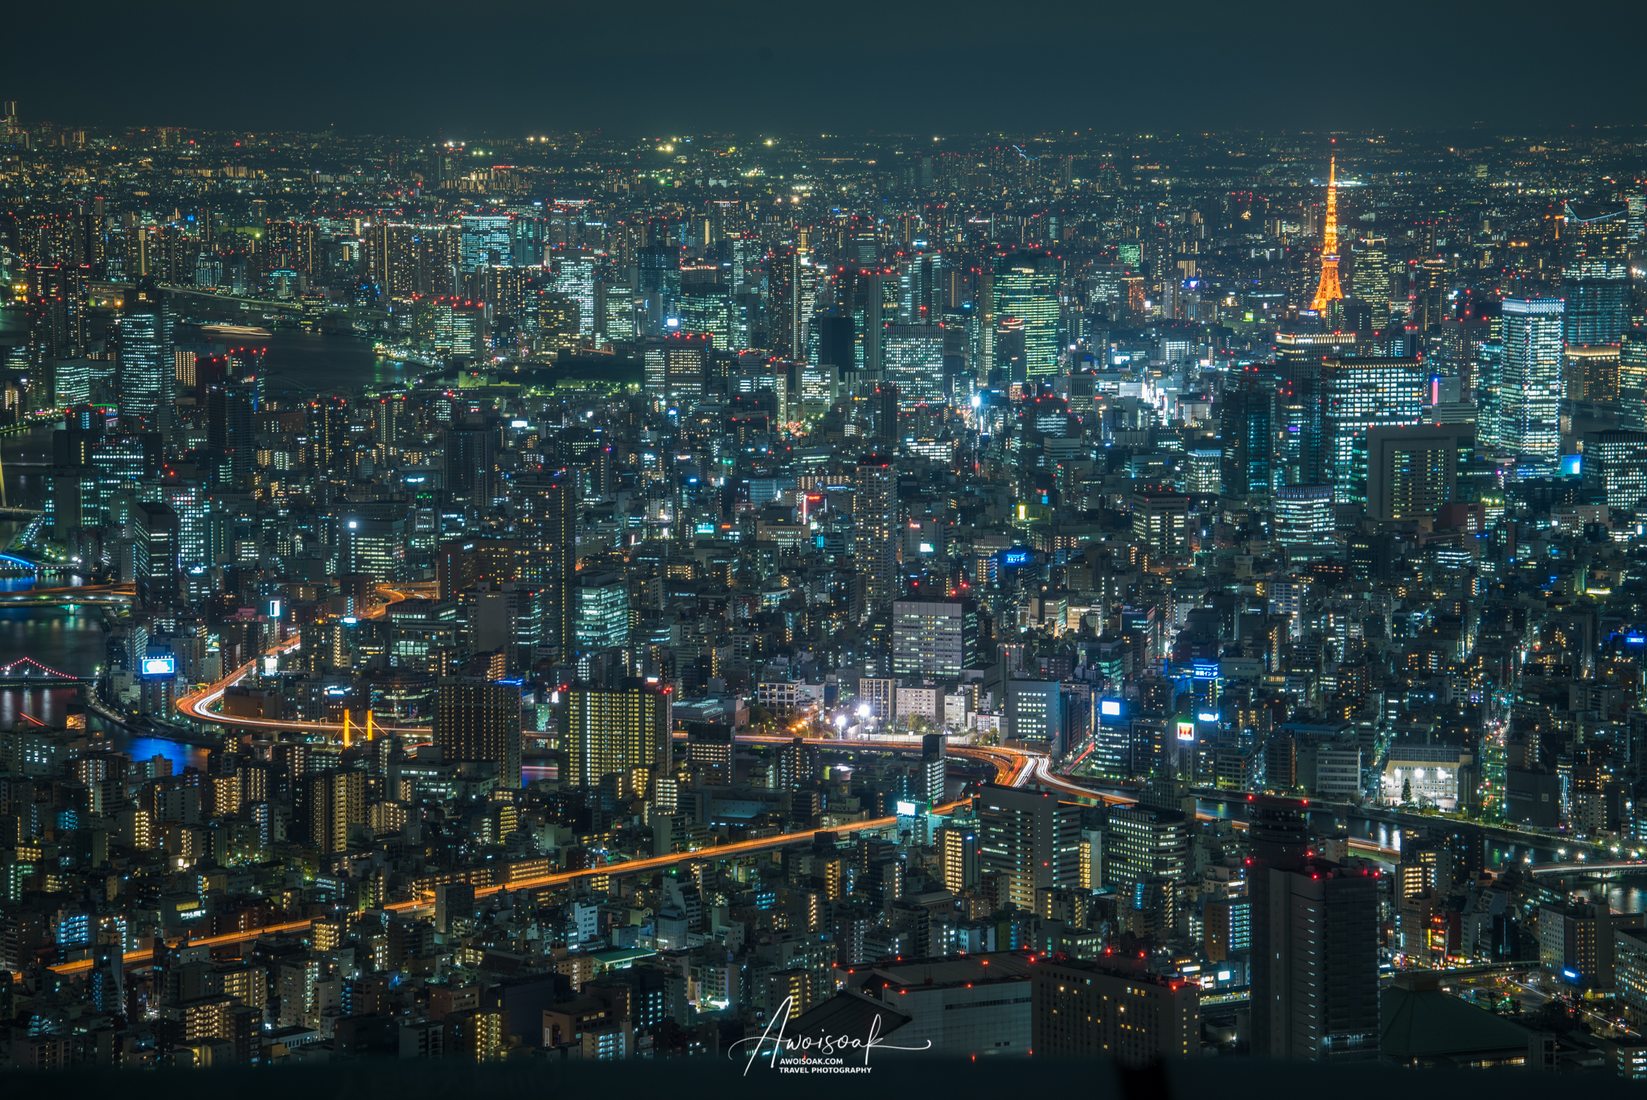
(1361, 394)
(1025, 287)
(1592, 373)
(1370, 279)
(600, 617)
(1145, 844)
(576, 280)
(485, 240)
(1413, 471)
(612, 729)
(1595, 278)
(1246, 427)
(548, 502)
(1529, 400)
(677, 369)
(373, 539)
(478, 721)
(1314, 945)
(145, 364)
(1488, 391)
(1030, 839)
(155, 549)
(1615, 462)
(934, 638)
(1303, 519)
(874, 530)
(1632, 379)
(913, 360)
(1301, 405)
(1087, 1009)
(1160, 523)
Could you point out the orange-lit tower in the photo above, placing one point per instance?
(1328, 291)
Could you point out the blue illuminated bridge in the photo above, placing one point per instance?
(16, 565)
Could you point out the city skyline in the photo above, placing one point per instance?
(1155, 597)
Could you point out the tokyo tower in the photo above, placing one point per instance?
(1328, 291)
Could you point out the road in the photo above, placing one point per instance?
(199, 703)
(559, 878)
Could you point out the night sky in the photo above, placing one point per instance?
(792, 66)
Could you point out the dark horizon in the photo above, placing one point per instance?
(506, 65)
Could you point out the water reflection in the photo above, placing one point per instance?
(145, 748)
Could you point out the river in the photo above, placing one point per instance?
(299, 365)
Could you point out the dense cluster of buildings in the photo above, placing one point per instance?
(1139, 596)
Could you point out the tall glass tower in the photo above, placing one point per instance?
(1595, 277)
(146, 372)
(1530, 396)
(1026, 287)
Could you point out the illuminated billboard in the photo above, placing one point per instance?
(160, 666)
(1186, 730)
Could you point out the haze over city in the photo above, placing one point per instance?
(895, 541)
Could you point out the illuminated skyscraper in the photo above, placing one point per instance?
(477, 721)
(1489, 394)
(1530, 398)
(914, 361)
(612, 729)
(658, 275)
(1160, 523)
(1314, 947)
(676, 369)
(1025, 286)
(1031, 839)
(1595, 278)
(601, 613)
(1327, 291)
(1301, 405)
(575, 280)
(874, 526)
(1303, 519)
(1362, 394)
(327, 805)
(1615, 462)
(1413, 471)
(146, 371)
(1370, 280)
(1246, 428)
(1632, 379)
(486, 239)
(1145, 844)
(933, 638)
